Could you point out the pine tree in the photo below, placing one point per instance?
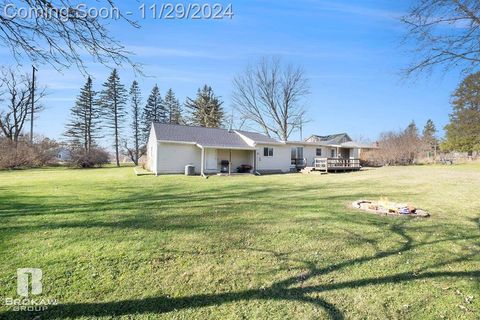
(83, 126)
(206, 110)
(113, 99)
(412, 141)
(429, 138)
(136, 100)
(154, 111)
(429, 133)
(463, 131)
(412, 130)
(173, 108)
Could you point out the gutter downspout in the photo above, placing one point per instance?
(230, 164)
(202, 163)
(255, 172)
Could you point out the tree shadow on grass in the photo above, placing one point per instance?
(171, 198)
(289, 289)
(14, 204)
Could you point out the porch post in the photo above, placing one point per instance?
(202, 162)
(230, 163)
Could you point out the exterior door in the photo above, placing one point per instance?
(211, 159)
(345, 153)
(297, 156)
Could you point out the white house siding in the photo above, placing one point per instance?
(151, 162)
(280, 160)
(310, 153)
(173, 157)
(355, 153)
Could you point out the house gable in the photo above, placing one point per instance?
(333, 139)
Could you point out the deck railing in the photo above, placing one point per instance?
(337, 164)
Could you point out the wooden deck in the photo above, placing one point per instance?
(336, 165)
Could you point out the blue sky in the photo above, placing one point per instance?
(350, 51)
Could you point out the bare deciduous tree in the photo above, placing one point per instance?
(15, 108)
(396, 148)
(59, 33)
(271, 96)
(447, 34)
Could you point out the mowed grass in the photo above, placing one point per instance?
(112, 245)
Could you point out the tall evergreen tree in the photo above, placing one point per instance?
(83, 126)
(412, 130)
(154, 111)
(173, 108)
(206, 110)
(136, 100)
(429, 137)
(113, 99)
(429, 133)
(463, 131)
(412, 141)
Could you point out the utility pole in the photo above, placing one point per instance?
(301, 129)
(33, 103)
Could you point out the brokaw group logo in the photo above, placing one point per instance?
(29, 282)
(23, 283)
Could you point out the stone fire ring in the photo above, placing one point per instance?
(389, 208)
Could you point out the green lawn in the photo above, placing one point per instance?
(114, 245)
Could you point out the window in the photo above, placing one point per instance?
(268, 152)
(300, 153)
(333, 153)
(319, 152)
(297, 153)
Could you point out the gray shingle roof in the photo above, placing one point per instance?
(207, 137)
(258, 137)
(337, 139)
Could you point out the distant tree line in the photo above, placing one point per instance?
(16, 97)
(114, 107)
(462, 133)
(404, 147)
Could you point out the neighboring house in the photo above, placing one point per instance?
(212, 150)
(333, 138)
(63, 155)
(345, 146)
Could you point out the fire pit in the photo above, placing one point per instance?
(385, 207)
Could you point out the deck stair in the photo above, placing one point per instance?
(308, 170)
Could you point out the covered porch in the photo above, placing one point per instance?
(227, 161)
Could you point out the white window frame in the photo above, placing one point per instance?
(269, 152)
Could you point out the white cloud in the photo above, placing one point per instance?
(151, 51)
(359, 10)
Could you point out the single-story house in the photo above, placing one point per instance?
(63, 155)
(214, 150)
